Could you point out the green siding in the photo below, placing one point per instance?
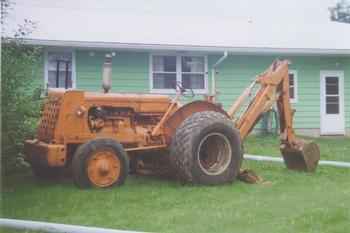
(130, 71)
(131, 74)
(237, 71)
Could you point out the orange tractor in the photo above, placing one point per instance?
(104, 136)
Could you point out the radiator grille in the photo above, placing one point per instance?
(48, 120)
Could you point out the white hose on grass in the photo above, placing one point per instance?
(280, 160)
(54, 227)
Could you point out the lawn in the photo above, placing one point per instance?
(289, 202)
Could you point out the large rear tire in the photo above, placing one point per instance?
(206, 149)
(100, 163)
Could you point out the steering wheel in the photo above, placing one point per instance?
(184, 90)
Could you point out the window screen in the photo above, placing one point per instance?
(332, 95)
(192, 75)
(291, 86)
(188, 71)
(59, 70)
(164, 72)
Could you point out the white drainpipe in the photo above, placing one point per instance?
(213, 72)
(280, 160)
(54, 227)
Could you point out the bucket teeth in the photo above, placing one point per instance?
(303, 156)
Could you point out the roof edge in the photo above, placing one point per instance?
(194, 48)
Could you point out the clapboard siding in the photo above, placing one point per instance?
(236, 72)
(130, 71)
(131, 74)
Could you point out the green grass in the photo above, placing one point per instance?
(289, 202)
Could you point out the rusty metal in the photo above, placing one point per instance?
(144, 123)
(185, 111)
(172, 108)
(303, 156)
(103, 168)
(239, 102)
(249, 176)
(48, 119)
(274, 89)
(65, 121)
(52, 155)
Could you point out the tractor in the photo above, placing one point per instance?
(102, 137)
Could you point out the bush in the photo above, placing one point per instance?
(20, 96)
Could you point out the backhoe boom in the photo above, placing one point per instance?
(274, 89)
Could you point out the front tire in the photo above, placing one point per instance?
(206, 149)
(100, 163)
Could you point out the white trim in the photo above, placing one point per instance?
(340, 75)
(74, 72)
(46, 65)
(195, 48)
(178, 72)
(295, 76)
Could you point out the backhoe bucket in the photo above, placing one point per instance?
(302, 157)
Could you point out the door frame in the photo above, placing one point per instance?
(340, 75)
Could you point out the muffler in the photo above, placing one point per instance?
(107, 73)
(301, 156)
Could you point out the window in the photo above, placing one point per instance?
(293, 86)
(188, 71)
(59, 70)
(332, 95)
(164, 72)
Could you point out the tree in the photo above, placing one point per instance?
(19, 91)
(341, 11)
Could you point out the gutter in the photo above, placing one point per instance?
(193, 48)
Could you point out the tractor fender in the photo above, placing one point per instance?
(174, 121)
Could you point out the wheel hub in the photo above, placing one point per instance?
(214, 153)
(103, 168)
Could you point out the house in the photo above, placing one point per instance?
(151, 53)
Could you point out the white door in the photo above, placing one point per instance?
(332, 103)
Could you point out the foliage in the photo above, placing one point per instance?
(20, 97)
(341, 12)
(20, 93)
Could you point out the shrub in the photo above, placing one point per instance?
(20, 96)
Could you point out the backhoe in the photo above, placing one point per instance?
(103, 136)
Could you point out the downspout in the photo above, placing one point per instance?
(213, 73)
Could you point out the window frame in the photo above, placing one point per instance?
(295, 87)
(178, 72)
(46, 66)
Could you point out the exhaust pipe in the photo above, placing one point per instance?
(107, 73)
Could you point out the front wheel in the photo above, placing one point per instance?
(206, 149)
(100, 163)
